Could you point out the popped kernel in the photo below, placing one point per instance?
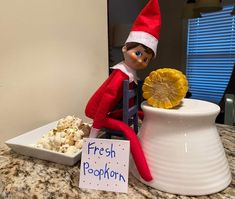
(67, 137)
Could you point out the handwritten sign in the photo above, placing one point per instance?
(105, 164)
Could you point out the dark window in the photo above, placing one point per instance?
(210, 54)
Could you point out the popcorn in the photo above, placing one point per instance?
(67, 137)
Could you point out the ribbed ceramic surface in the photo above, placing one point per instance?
(183, 149)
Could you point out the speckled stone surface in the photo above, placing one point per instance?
(25, 177)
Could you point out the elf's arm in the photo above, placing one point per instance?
(110, 98)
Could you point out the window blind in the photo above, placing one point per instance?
(210, 54)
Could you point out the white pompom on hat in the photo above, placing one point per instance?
(147, 26)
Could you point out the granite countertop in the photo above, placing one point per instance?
(25, 177)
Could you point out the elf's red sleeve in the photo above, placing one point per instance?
(111, 96)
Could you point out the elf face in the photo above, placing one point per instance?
(136, 58)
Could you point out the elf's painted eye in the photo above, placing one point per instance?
(138, 53)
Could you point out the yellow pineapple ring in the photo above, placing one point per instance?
(165, 88)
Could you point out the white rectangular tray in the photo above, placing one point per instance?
(23, 145)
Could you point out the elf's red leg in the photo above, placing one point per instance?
(136, 149)
(117, 114)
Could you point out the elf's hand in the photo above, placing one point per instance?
(94, 132)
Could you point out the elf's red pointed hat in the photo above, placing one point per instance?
(147, 26)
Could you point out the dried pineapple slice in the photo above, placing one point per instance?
(165, 88)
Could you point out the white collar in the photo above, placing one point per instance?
(131, 73)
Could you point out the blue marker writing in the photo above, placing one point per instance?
(103, 173)
(108, 152)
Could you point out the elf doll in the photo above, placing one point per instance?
(138, 50)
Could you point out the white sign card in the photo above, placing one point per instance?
(105, 164)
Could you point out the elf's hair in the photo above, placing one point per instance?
(131, 45)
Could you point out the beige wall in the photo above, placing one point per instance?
(53, 55)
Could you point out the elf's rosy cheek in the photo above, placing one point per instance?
(133, 56)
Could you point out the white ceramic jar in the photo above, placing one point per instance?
(183, 149)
